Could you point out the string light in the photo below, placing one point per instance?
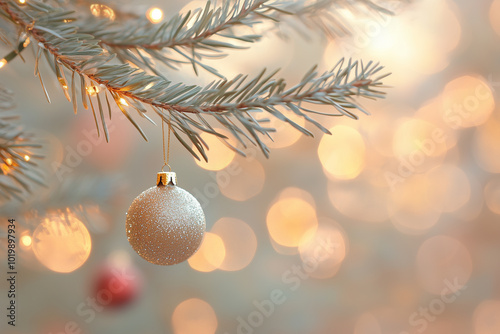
(5, 169)
(26, 42)
(123, 102)
(22, 2)
(92, 90)
(2, 63)
(154, 15)
(26, 158)
(148, 86)
(102, 10)
(8, 161)
(26, 240)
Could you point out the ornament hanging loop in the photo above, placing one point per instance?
(166, 165)
(166, 178)
(166, 159)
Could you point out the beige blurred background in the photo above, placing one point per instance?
(390, 226)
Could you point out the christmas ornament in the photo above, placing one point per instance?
(117, 286)
(165, 224)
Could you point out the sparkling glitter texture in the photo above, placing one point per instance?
(165, 225)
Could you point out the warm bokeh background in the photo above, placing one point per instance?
(390, 226)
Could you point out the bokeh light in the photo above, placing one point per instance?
(210, 255)
(419, 143)
(26, 241)
(437, 130)
(100, 10)
(411, 205)
(239, 240)
(367, 323)
(86, 147)
(243, 179)
(154, 15)
(487, 317)
(290, 217)
(492, 195)
(342, 154)
(360, 201)
(398, 42)
(486, 148)
(61, 242)
(451, 188)
(444, 135)
(444, 265)
(219, 155)
(285, 135)
(194, 316)
(467, 101)
(192, 6)
(323, 248)
(495, 16)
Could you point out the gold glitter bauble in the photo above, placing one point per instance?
(165, 224)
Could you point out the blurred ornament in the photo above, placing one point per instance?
(165, 224)
(117, 285)
(61, 242)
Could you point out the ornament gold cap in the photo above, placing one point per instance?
(166, 179)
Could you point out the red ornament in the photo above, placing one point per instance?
(117, 286)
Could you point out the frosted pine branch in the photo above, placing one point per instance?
(83, 68)
(17, 160)
(210, 31)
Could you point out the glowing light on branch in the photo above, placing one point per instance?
(92, 90)
(26, 240)
(99, 10)
(154, 15)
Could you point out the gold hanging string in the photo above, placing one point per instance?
(167, 159)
